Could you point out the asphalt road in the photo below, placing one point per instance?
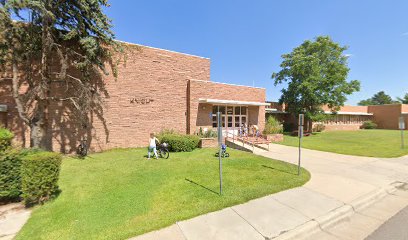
(396, 228)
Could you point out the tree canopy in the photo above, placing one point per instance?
(379, 98)
(54, 49)
(316, 75)
(404, 99)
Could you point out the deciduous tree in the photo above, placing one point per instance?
(316, 75)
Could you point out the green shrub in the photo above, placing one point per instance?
(319, 127)
(10, 180)
(288, 127)
(369, 125)
(5, 138)
(210, 133)
(39, 176)
(273, 126)
(180, 143)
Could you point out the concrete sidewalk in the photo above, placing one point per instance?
(341, 189)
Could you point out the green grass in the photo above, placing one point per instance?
(120, 194)
(371, 143)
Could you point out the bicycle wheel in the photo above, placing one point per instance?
(159, 153)
(165, 154)
(226, 155)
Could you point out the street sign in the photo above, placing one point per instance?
(301, 119)
(401, 124)
(300, 131)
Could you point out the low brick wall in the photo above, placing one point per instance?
(275, 137)
(208, 143)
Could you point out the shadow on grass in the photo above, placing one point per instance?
(206, 188)
(280, 170)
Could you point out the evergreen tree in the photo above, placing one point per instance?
(54, 50)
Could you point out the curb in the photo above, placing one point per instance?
(338, 215)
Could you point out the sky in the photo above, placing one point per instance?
(245, 39)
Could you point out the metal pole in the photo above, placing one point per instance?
(300, 151)
(402, 139)
(220, 147)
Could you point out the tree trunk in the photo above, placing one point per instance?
(309, 125)
(38, 128)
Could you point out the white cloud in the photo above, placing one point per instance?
(349, 55)
(404, 34)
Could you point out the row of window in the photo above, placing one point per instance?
(347, 119)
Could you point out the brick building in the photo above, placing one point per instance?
(351, 117)
(156, 89)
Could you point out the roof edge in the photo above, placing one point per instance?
(162, 49)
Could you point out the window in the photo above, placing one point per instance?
(243, 110)
(230, 110)
(237, 110)
(229, 121)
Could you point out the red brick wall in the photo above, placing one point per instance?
(386, 116)
(160, 76)
(211, 90)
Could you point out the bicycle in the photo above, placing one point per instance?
(163, 151)
(82, 149)
(224, 153)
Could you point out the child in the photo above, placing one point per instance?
(152, 146)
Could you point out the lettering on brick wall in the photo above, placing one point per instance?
(141, 100)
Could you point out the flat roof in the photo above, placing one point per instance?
(232, 102)
(141, 45)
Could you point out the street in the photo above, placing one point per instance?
(396, 228)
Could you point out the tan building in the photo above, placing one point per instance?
(352, 117)
(156, 89)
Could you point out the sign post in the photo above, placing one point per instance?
(402, 127)
(300, 134)
(219, 128)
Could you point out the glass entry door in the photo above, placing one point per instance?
(232, 116)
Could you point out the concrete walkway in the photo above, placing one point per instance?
(344, 191)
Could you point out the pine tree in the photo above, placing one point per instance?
(55, 50)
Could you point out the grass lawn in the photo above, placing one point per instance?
(120, 194)
(371, 143)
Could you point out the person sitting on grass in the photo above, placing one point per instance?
(152, 146)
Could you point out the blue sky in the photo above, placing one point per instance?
(245, 39)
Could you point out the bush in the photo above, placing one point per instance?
(180, 143)
(209, 133)
(369, 125)
(5, 138)
(288, 127)
(10, 181)
(273, 126)
(319, 127)
(39, 176)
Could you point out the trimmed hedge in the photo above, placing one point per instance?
(5, 138)
(39, 176)
(180, 143)
(10, 180)
(369, 125)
